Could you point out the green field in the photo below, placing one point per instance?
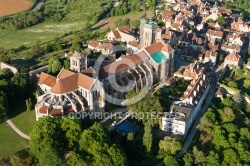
(44, 32)
(10, 141)
(24, 120)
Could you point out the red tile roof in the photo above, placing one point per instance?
(123, 64)
(47, 79)
(55, 112)
(133, 43)
(43, 109)
(215, 33)
(156, 47)
(93, 43)
(89, 72)
(71, 82)
(64, 73)
(167, 48)
(117, 34)
(233, 57)
(124, 29)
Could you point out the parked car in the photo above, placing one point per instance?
(114, 123)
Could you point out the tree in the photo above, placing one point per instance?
(227, 102)
(232, 84)
(230, 157)
(45, 134)
(149, 103)
(188, 159)
(147, 137)
(3, 105)
(210, 20)
(199, 157)
(75, 47)
(28, 104)
(229, 112)
(170, 161)
(96, 143)
(169, 146)
(221, 20)
(35, 50)
(119, 22)
(4, 58)
(49, 156)
(57, 46)
(246, 83)
(130, 136)
(66, 64)
(161, 23)
(22, 86)
(6, 73)
(213, 159)
(75, 160)
(71, 129)
(126, 21)
(56, 66)
(134, 23)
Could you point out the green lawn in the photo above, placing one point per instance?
(44, 32)
(24, 120)
(10, 141)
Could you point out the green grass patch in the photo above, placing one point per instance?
(23, 120)
(10, 141)
(44, 32)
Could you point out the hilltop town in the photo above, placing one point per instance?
(173, 90)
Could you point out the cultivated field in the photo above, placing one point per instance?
(8, 7)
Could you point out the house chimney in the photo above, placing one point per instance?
(204, 77)
(191, 100)
(194, 93)
(201, 82)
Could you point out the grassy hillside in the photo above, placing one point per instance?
(87, 9)
(44, 32)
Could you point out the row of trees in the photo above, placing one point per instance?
(52, 138)
(126, 6)
(13, 88)
(132, 23)
(168, 147)
(224, 131)
(29, 19)
(55, 65)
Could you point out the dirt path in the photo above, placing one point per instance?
(17, 130)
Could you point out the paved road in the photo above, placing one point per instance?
(17, 130)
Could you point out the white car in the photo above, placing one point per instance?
(114, 123)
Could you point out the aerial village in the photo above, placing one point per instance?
(198, 43)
